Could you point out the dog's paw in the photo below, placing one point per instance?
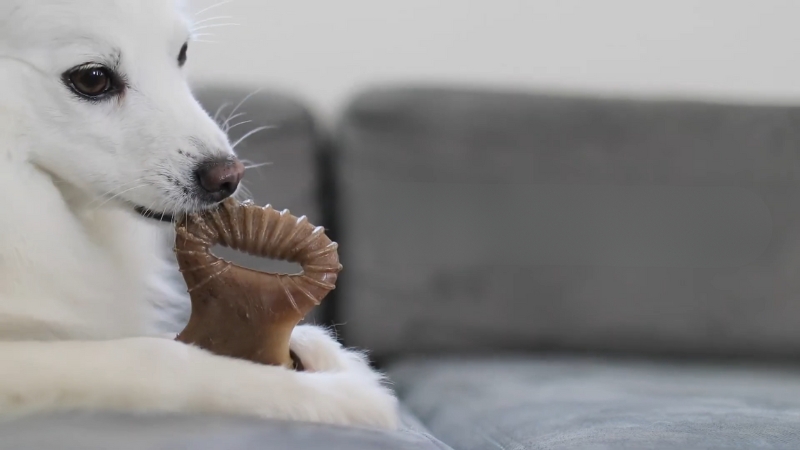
(319, 351)
(353, 399)
(350, 392)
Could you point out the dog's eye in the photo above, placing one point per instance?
(182, 55)
(93, 81)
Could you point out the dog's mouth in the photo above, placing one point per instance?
(155, 215)
(162, 216)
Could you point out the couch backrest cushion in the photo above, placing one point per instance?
(483, 221)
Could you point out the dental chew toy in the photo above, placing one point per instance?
(244, 313)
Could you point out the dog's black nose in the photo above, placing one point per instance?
(219, 178)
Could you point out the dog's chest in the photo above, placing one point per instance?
(92, 281)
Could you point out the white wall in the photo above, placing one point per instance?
(323, 49)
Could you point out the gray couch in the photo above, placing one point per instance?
(533, 272)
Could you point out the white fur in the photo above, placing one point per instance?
(86, 309)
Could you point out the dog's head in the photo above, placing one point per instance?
(103, 102)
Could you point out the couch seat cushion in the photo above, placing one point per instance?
(573, 404)
(159, 432)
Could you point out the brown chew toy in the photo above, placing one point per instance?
(243, 313)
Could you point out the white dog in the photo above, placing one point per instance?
(98, 128)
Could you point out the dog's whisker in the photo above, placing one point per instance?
(115, 190)
(234, 116)
(214, 25)
(256, 166)
(247, 97)
(250, 133)
(201, 37)
(149, 210)
(228, 120)
(209, 8)
(237, 124)
(219, 111)
(211, 19)
(243, 193)
(119, 194)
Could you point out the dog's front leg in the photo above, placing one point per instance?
(162, 375)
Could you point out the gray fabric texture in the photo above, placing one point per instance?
(481, 220)
(153, 432)
(578, 403)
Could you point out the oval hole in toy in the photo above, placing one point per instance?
(254, 262)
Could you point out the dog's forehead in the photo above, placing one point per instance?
(51, 21)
